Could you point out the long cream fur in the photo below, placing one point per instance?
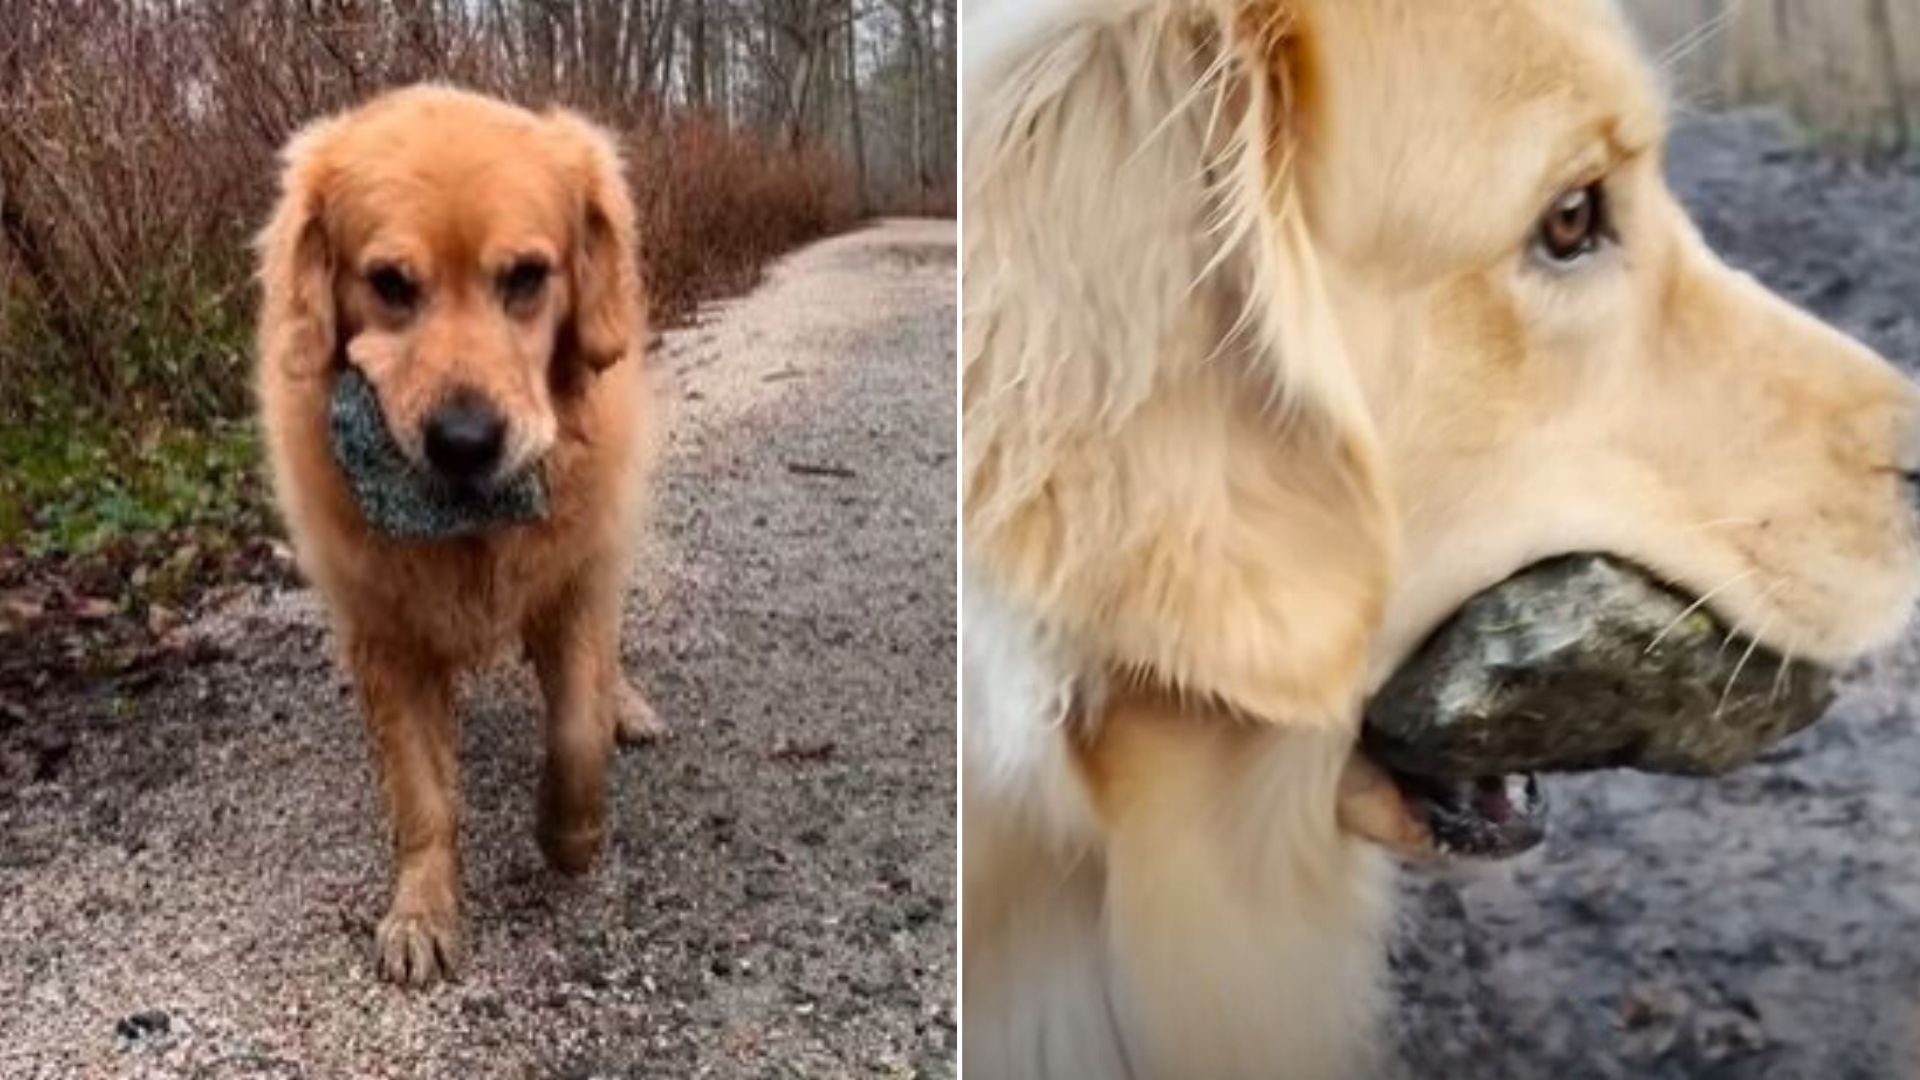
(1136, 261)
(1127, 202)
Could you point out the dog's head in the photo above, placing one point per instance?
(474, 260)
(1552, 359)
(1295, 323)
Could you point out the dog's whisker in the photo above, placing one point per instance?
(1780, 677)
(1695, 606)
(1753, 643)
(1739, 627)
(1697, 38)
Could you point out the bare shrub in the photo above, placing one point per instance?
(137, 147)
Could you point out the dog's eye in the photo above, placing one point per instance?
(393, 287)
(524, 280)
(1573, 226)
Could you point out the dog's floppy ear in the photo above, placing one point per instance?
(608, 317)
(1168, 461)
(296, 262)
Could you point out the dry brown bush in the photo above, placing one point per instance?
(137, 147)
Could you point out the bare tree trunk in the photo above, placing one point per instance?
(949, 98)
(698, 79)
(853, 109)
(543, 48)
(917, 104)
(723, 84)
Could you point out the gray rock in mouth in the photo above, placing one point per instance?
(403, 501)
(1587, 662)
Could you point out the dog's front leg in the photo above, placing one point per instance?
(575, 648)
(407, 701)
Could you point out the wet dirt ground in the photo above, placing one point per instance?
(192, 860)
(1761, 926)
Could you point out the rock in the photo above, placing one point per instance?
(153, 1027)
(1584, 663)
(406, 502)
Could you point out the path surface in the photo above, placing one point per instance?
(777, 900)
(1764, 926)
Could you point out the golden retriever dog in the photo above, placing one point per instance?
(476, 263)
(1291, 325)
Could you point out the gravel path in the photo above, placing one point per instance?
(1763, 926)
(189, 887)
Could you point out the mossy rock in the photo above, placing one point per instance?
(1587, 662)
(410, 503)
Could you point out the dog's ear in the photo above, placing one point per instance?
(1168, 461)
(301, 325)
(609, 316)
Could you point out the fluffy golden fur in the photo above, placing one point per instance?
(452, 191)
(1264, 374)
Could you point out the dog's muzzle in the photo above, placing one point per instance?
(1578, 663)
(452, 500)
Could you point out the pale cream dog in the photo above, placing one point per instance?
(1291, 324)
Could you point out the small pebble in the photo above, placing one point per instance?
(144, 1028)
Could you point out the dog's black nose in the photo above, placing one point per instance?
(464, 437)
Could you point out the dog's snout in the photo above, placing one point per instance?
(464, 437)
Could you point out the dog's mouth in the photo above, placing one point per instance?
(472, 491)
(1487, 817)
(1579, 663)
(404, 501)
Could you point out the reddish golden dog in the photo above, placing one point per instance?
(477, 263)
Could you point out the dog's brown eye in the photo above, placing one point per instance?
(393, 287)
(524, 280)
(1573, 226)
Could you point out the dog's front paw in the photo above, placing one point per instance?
(634, 721)
(418, 948)
(570, 846)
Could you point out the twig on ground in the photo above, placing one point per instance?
(803, 468)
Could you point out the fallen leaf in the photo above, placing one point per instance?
(160, 619)
(93, 608)
(21, 606)
(788, 750)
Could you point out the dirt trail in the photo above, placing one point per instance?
(1763, 926)
(189, 888)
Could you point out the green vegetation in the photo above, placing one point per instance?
(78, 485)
(129, 438)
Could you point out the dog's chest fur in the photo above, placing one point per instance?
(470, 597)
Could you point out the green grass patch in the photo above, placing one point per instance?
(79, 485)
